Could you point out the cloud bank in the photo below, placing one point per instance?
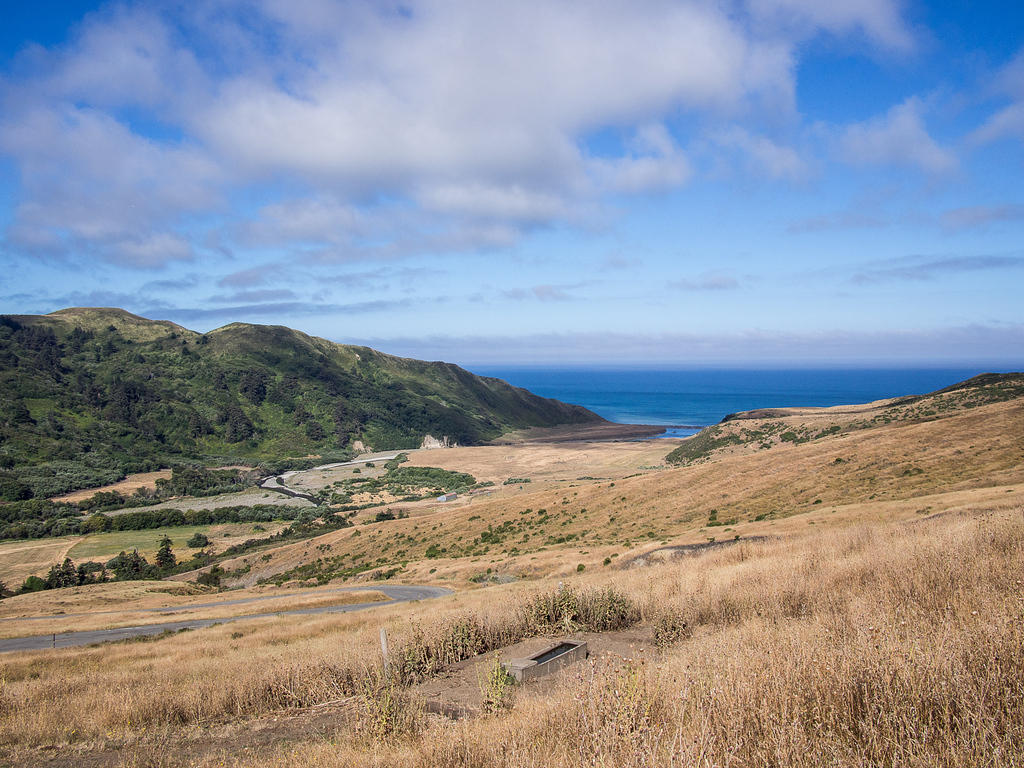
(363, 130)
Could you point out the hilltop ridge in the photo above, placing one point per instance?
(91, 393)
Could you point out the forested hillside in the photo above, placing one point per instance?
(87, 395)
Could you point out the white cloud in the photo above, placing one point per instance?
(878, 19)
(976, 216)
(897, 138)
(653, 162)
(506, 202)
(91, 184)
(708, 281)
(1008, 120)
(768, 157)
(439, 124)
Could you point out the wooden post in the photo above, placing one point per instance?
(384, 650)
(54, 639)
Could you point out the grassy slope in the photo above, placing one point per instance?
(762, 429)
(89, 394)
(967, 455)
(858, 641)
(874, 645)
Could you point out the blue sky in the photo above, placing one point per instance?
(764, 182)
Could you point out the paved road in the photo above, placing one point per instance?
(396, 593)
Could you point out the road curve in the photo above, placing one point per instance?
(397, 593)
(273, 484)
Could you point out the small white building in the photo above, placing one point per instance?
(448, 497)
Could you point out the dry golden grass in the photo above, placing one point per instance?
(125, 604)
(548, 462)
(125, 487)
(890, 471)
(870, 614)
(879, 644)
(20, 559)
(124, 595)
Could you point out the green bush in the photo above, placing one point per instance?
(33, 584)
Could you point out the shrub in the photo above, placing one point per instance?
(33, 584)
(496, 686)
(669, 628)
(389, 710)
(210, 578)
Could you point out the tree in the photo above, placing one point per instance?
(97, 523)
(253, 385)
(63, 575)
(130, 567)
(237, 425)
(12, 489)
(33, 584)
(198, 541)
(165, 559)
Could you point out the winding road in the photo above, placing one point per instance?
(272, 483)
(396, 593)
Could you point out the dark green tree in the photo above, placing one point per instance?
(165, 559)
(128, 567)
(198, 540)
(33, 584)
(63, 575)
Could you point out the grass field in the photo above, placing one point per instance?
(125, 487)
(25, 557)
(103, 546)
(878, 644)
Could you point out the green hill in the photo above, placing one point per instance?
(87, 395)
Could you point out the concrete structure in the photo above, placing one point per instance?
(548, 661)
(448, 497)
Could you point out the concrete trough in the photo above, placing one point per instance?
(548, 661)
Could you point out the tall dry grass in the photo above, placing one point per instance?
(895, 645)
(115, 692)
(881, 646)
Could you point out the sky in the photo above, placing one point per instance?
(615, 182)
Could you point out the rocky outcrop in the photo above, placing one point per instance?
(430, 442)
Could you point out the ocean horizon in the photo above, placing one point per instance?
(690, 399)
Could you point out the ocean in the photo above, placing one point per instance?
(688, 400)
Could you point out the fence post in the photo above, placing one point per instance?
(384, 650)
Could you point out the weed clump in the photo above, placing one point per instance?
(496, 686)
(388, 710)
